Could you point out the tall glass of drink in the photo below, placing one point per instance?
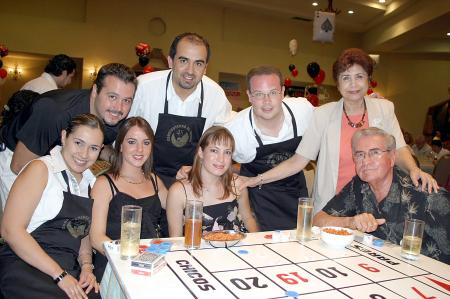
(304, 218)
(412, 238)
(193, 214)
(130, 231)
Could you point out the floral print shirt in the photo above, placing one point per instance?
(404, 200)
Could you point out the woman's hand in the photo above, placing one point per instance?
(183, 172)
(72, 288)
(428, 182)
(87, 279)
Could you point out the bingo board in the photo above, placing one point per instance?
(261, 268)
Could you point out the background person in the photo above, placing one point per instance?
(58, 74)
(436, 146)
(47, 217)
(130, 181)
(266, 134)
(37, 128)
(329, 133)
(180, 104)
(211, 181)
(381, 196)
(421, 148)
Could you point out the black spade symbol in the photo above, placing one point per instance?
(326, 26)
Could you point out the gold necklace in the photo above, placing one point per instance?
(358, 124)
(126, 179)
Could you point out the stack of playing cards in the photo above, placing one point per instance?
(147, 263)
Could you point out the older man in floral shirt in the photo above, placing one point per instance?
(381, 196)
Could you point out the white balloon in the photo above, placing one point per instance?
(293, 46)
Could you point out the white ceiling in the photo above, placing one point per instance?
(414, 26)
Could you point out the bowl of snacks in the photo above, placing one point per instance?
(223, 238)
(337, 237)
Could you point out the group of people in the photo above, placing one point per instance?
(170, 138)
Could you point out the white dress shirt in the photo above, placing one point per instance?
(41, 84)
(149, 100)
(244, 135)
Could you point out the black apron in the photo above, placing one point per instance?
(275, 204)
(60, 238)
(176, 138)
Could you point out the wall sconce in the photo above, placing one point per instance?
(93, 73)
(15, 72)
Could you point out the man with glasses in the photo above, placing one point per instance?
(266, 134)
(379, 198)
(180, 104)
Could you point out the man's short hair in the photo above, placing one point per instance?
(436, 142)
(60, 63)
(118, 70)
(263, 70)
(193, 38)
(389, 140)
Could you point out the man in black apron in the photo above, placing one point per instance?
(192, 103)
(267, 134)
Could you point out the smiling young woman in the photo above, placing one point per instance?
(211, 181)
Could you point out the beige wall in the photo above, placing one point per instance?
(102, 31)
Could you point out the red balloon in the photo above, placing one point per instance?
(287, 82)
(3, 73)
(369, 91)
(313, 99)
(148, 69)
(320, 77)
(294, 72)
(373, 83)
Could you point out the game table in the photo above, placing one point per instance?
(265, 265)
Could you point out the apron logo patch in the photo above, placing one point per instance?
(179, 135)
(276, 158)
(78, 226)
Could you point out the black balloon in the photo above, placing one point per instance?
(291, 67)
(313, 69)
(1, 64)
(143, 60)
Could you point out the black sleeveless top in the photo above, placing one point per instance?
(151, 216)
(221, 216)
(151, 211)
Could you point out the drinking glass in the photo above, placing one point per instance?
(304, 218)
(412, 238)
(193, 214)
(130, 231)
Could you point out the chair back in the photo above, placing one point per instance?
(442, 171)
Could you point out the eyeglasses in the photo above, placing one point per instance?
(273, 94)
(374, 153)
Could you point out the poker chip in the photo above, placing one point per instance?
(292, 294)
(378, 242)
(268, 236)
(243, 251)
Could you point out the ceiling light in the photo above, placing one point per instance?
(448, 33)
(382, 1)
(351, 12)
(315, 4)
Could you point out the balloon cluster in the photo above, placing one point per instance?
(373, 84)
(315, 72)
(143, 50)
(3, 73)
(294, 72)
